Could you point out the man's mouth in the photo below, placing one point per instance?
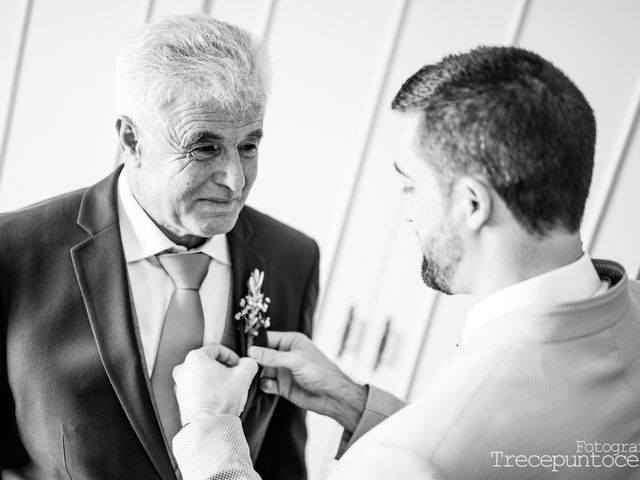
(221, 201)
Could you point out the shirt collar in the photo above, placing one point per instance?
(141, 238)
(571, 283)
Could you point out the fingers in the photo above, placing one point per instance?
(248, 367)
(274, 358)
(284, 341)
(215, 353)
(270, 386)
(211, 356)
(219, 353)
(227, 356)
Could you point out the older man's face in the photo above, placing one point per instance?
(195, 173)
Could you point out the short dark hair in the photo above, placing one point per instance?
(513, 117)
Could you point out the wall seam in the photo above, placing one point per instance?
(621, 152)
(15, 82)
(207, 7)
(267, 21)
(363, 150)
(145, 16)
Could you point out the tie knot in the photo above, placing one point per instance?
(187, 270)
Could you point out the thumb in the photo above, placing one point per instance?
(248, 367)
(268, 357)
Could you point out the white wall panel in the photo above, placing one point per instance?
(252, 15)
(397, 317)
(160, 8)
(322, 81)
(63, 126)
(11, 27)
(618, 236)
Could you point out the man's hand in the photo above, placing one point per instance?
(298, 371)
(213, 380)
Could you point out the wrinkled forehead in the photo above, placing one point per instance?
(207, 124)
(232, 110)
(186, 114)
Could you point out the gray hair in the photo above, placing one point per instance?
(189, 58)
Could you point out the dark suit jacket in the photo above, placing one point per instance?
(75, 396)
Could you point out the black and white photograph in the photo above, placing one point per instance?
(320, 239)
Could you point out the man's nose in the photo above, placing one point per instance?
(408, 213)
(229, 173)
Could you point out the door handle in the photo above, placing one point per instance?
(384, 341)
(347, 332)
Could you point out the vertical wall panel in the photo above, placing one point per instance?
(172, 7)
(63, 127)
(12, 14)
(612, 176)
(619, 233)
(322, 82)
(587, 42)
(249, 14)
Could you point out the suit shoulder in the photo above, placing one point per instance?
(41, 218)
(269, 230)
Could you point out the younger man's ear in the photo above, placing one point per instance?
(475, 198)
(129, 137)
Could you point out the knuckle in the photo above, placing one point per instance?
(296, 357)
(191, 356)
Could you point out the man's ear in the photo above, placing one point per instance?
(474, 197)
(129, 137)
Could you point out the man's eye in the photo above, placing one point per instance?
(407, 189)
(205, 150)
(249, 149)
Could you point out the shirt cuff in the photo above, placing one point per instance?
(213, 447)
(379, 406)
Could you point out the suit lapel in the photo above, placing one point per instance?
(101, 273)
(244, 259)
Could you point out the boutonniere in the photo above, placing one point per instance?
(254, 306)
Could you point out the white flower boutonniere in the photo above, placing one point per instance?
(254, 307)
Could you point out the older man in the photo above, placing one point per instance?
(545, 383)
(103, 291)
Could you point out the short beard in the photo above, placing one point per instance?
(440, 262)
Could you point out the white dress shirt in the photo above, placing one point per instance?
(572, 283)
(152, 288)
